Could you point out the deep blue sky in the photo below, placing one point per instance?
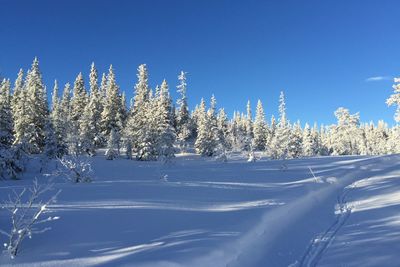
(319, 52)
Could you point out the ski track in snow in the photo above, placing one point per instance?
(319, 244)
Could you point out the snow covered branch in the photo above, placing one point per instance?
(27, 210)
(77, 169)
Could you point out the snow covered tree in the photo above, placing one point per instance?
(280, 142)
(36, 109)
(111, 151)
(165, 129)
(6, 119)
(346, 133)
(77, 169)
(54, 143)
(112, 104)
(184, 133)
(205, 142)
(78, 104)
(95, 107)
(295, 141)
(61, 119)
(394, 99)
(308, 142)
(223, 130)
(393, 144)
(259, 129)
(52, 148)
(18, 100)
(137, 129)
(248, 127)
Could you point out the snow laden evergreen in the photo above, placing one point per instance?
(139, 126)
(394, 99)
(207, 134)
(183, 125)
(78, 103)
(36, 110)
(81, 121)
(6, 118)
(110, 117)
(165, 129)
(260, 129)
(295, 146)
(346, 133)
(279, 146)
(91, 126)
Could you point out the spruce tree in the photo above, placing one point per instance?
(6, 119)
(260, 135)
(165, 129)
(183, 127)
(37, 114)
(137, 126)
(111, 106)
(279, 145)
(205, 142)
(394, 99)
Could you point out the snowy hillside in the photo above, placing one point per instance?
(330, 211)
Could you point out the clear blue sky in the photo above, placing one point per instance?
(319, 52)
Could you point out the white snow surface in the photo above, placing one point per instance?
(208, 213)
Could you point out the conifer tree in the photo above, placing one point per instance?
(295, 148)
(111, 151)
(308, 142)
(205, 142)
(248, 127)
(96, 101)
(6, 119)
(183, 130)
(17, 95)
(394, 99)
(223, 130)
(260, 134)
(165, 129)
(137, 129)
(346, 133)
(37, 114)
(111, 108)
(280, 142)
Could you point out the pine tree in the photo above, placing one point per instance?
(165, 129)
(112, 104)
(111, 151)
(17, 95)
(205, 142)
(346, 133)
(78, 104)
(308, 142)
(6, 119)
(137, 129)
(248, 127)
(54, 143)
(295, 141)
(280, 142)
(184, 133)
(37, 114)
(260, 134)
(394, 99)
(96, 101)
(223, 130)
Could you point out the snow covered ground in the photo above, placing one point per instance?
(199, 212)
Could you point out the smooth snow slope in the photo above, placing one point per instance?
(207, 213)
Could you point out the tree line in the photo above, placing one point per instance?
(83, 118)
